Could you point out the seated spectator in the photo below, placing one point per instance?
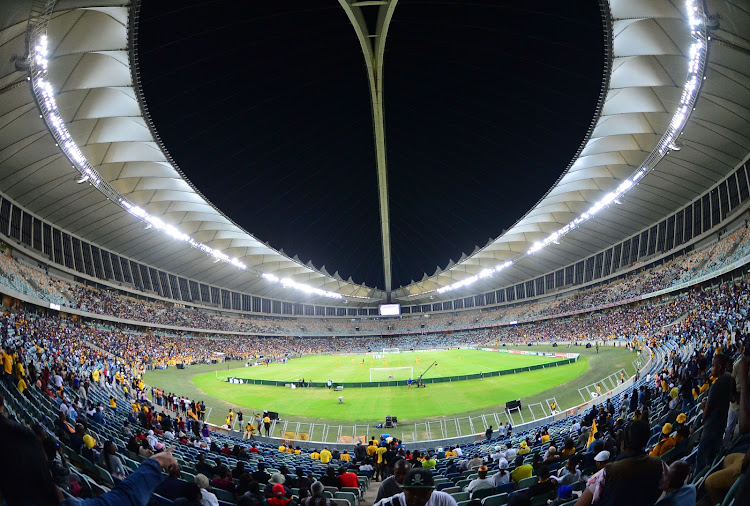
(316, 497)
(330, 479)
(16, 439)
(677, 493)
(545, 485)
(569, 448)
(665, 444)
(172, 487)
(481, 482)
(202, 466)
(279, 497)
(277, 480)
(601, 459)
(634, 479)
(502, 476)
(224, 482)
(475, 462)
(301, 482)
(207, 498)
(239, 470)
(521, 471)
(261, 476)
(392, 485)
(569, 474)
(564, 495)
(523, 448)
(58, 467)
(145, 450)
(552, 456)
(347, 479)
(110, 461)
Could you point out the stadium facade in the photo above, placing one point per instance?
(89, 190)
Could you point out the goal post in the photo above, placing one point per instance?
(391, 350)
(391, 373)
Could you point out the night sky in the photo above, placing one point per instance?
(265, 107)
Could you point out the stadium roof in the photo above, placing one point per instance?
(93, 72)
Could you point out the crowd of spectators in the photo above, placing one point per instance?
(683, 269)
(683, 434)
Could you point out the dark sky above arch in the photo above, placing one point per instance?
(265, 107)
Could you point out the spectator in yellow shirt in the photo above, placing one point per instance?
(8, 365)
(325, 456)
(315, 455)
(522, 470)
(22, 387)
(345, 456)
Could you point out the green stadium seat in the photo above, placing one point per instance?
(482, 493)
(460, 496)
(223, 495)
(352, 498)
(540, 500)
(104, 477)
(353, 490)
(495, 500)
(527, 482)
(463, 503)
(462, 483)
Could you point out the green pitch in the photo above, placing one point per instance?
(356, 368)
(366, 405)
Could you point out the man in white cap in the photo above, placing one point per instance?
(502, 476)
(601, 459)
(497, 454)
(152, 439)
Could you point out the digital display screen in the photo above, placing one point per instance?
(390, 309)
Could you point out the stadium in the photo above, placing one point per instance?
(146, 327)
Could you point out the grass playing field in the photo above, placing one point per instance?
(366, 405)
(348, 368)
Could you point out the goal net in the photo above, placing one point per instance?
(391, 373)
(391, 350)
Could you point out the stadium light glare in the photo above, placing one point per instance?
(483, 274)
(48, 105)
(696, 67)
(697, 54)
(46, 100)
